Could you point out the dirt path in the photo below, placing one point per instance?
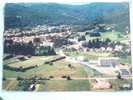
(10, 85)
(37, 87)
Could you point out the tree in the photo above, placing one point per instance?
(107, 40)
(69, 78)
(25, 84)
(4, 78)
(69, 65)
(37, 40)
(119, 76)
(50, 63)
(81, 38)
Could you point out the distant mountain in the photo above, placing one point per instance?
(31, 14)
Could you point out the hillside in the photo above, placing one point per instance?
(32, 14)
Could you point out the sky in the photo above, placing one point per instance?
(58, 95)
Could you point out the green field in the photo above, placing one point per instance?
(114, 36)
(35, 60)
(118, 84)
(64, 85)
(126, 60)
(53, 85)
(10, 84)
(91, 55)
(58, 69)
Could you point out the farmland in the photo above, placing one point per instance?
(57, 70)
(61, 67)
(63, 85)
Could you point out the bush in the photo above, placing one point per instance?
(69, 78)
(51, 76)
(4, 78)
(64, 76)
(19, 78)
(50, 63)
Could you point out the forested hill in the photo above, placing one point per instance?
(31, 14)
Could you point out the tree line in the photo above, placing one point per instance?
(20, 69)
(27, 49)
(97, 43)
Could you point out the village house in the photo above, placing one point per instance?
(102, 49)
(118, 48)
(82, 58)
(109, 49)
(93, 62)
(75, 40)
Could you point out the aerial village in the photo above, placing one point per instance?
(60, 58)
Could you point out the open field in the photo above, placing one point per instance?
(72, 85)
(35, 60)
(58, 69)
(126, 60)
(91, 55)
(119, 84)
(64, 85)
(10, 84)
(114, 36)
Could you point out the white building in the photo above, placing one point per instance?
(82, 58)
(110, 61)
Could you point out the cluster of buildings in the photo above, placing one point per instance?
(40, 29)
(78, 46)
(42, 39)
(55, 33)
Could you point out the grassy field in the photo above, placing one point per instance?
(114, 36)
(10, 85)
(91, 55)
(64, 85)
(118, 84)
(126, 60)
(69, 85)
(58, 69)
(35, 60)
(52, 85)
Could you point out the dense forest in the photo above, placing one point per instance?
(32, 14)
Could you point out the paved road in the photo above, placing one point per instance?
(106, 70)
